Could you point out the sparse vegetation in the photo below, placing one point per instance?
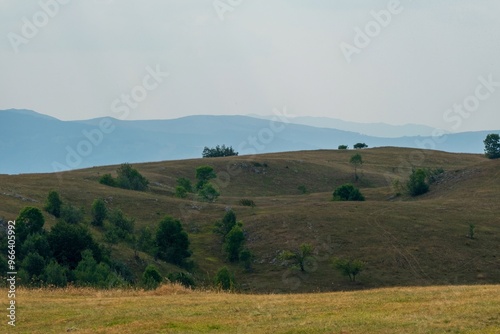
(347, 192)
(218, 151)
(247, 202)
(302, 189)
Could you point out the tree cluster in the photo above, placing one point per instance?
(127, 178)
(218, 151)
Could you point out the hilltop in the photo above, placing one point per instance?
(403, 241)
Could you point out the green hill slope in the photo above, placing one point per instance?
(402, 240)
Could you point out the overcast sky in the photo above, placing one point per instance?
(81, 59)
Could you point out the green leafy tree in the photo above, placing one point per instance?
(34, 265)
(185, 183)
(417, 184)
(91, 273)
(492, 146)
(55, 275)
(208, 193)
(246, 258)
(72, 214)
(225, 225)
(349, 268)
(151, 278)
(233, 243)
(298, 257)
(99, 212)
(343, 147)
(203, 175)
(36, 243)
(180, 192)
(224, 279)
(121, 225)
(347, 192)
(145, 241)
(172, 242)
(53, 204)
(29, 221)
(356, 161)
(218, 151)
(108, 180)
(360, 145)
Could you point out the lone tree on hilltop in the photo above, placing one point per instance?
(356, 161)
(492, 146)
(343, 147)
(360, 145)
(218, 151)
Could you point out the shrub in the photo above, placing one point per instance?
(53, 204)
(302, 189)
(356, 161)
(208, 193)
(185, 183)
(472, 229)
(224, 279)
(347, 192)
(34, 265)
(108, 180)
(360, 145)
(55, 274)
(233, 243)
(151, 278)
(99, 212)
(71, 214)
(182, 278)
(172, 241)
(36, 243)
(349, 268)
(247, 202)
(121, 224)
(225, 225)
(145, 241)
(246, 258)
(343, 147)
(130, 178)
(180, 192)
(417, 184)
(203, 175)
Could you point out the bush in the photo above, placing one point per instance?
(99, 212)
(343, 147)
(151, 278)
(172, 242)
(218, 151)
(130, 178)
(71, 214)
(182, 278)
(180, 192)
(349, 268)
(225, 225)
(34, 265)
(122, 226)
(203, 175)
(145, 241)
(246, 258)
(302, 189)
(36, 243)
(360, 145)
(347, 192)
(208, 193)
(53, 204)
(247, 202)
(417, 184)
(224, 279)
(55, 274)
(185, 183)
(107, 180)
(234, 242)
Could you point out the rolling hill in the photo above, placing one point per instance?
(35, 143)
(403, 241)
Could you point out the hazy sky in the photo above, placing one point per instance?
(92, 58)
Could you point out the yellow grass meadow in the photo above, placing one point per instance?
(174, 309)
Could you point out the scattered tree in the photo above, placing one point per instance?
(299, 256)
(417, 184)
(172, 242)
(203, 175)
(121, 225)
(99, 212)
(349, 268)
(208, 193)
(127, 178)
(71, 214)
(233, 243)
(360, 145)
(343, 147)
(347, 192)
(225, 225)
(246, 258)
(107, 180)
(151, 278)
(185, 183)
(224, 279)
(218, 151)
(180, 192)
(29, 221)
(53, 204)
(356, 161)
(492, 146)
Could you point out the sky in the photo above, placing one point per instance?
(431, 62)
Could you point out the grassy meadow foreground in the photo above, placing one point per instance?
(173, 309)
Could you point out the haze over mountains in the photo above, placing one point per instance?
(34, 143)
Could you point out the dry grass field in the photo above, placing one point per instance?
(173, 309)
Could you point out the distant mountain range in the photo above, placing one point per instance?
(34, 143)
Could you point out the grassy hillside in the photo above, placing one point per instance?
(402, 240)
(170, 309)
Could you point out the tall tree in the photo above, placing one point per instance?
(492, 146)
(356, 161)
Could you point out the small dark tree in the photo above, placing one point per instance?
(179, 277)
(349, 268)
(233, 243)
(218, 151)
(53, 204)
(360, 145)
(172, 241)
(107, 180)
(208, 193)
(29, 221)
(130, 178)
(99, 212)
(151, 278)
(417, 184)
(343, 147)
(356, 161)
(224, 279)
(185, 183)
(225, 225)
(246, 258)
(145, 241)
(298, 257)
(122, 225)
(492, 146)
(203, 175)
(180, 192)
(55, 274)
(347, 192)
(71, 214)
